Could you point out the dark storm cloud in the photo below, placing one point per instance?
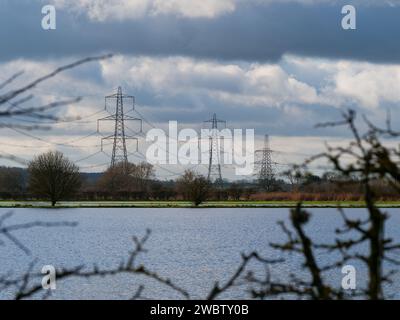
(251, 32)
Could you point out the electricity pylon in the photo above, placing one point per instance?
(266, 173)
(119, 152)
(214, 163)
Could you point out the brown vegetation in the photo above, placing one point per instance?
(123, 181)
(193, 187)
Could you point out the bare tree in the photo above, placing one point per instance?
(127, 178)
(53, 176)
(195, 188)
(235, 191)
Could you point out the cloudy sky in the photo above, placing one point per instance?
(276, 66)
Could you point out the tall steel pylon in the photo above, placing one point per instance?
(214, 164)
(119, 152)
(266, 173)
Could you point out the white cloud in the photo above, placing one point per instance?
(366, 85)
(289, 86)
(100, 10)
(369, 85)
(246, 84)
(194, 9)
(295, 81)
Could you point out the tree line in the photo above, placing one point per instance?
(51, 176)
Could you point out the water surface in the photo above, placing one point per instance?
(193, 247)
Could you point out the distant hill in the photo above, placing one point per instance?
(89, 177)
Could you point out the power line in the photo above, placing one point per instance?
(8, 156)
(63, 144)
(119, 153)
(266, 174)
(95, 166)
(214, 164)
(160, 167)
(88, 157)
(78, 120)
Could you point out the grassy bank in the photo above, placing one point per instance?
(184, 204)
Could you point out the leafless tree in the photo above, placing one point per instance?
(194, 187)
(53, 176)
(127, 178)
(235, 191)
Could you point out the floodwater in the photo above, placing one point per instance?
(192, 247)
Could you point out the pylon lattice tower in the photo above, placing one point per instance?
(214, 164)
(266, 174)
(119, 151)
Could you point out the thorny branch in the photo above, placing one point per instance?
(16, 98)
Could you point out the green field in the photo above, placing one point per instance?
(185, 204)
